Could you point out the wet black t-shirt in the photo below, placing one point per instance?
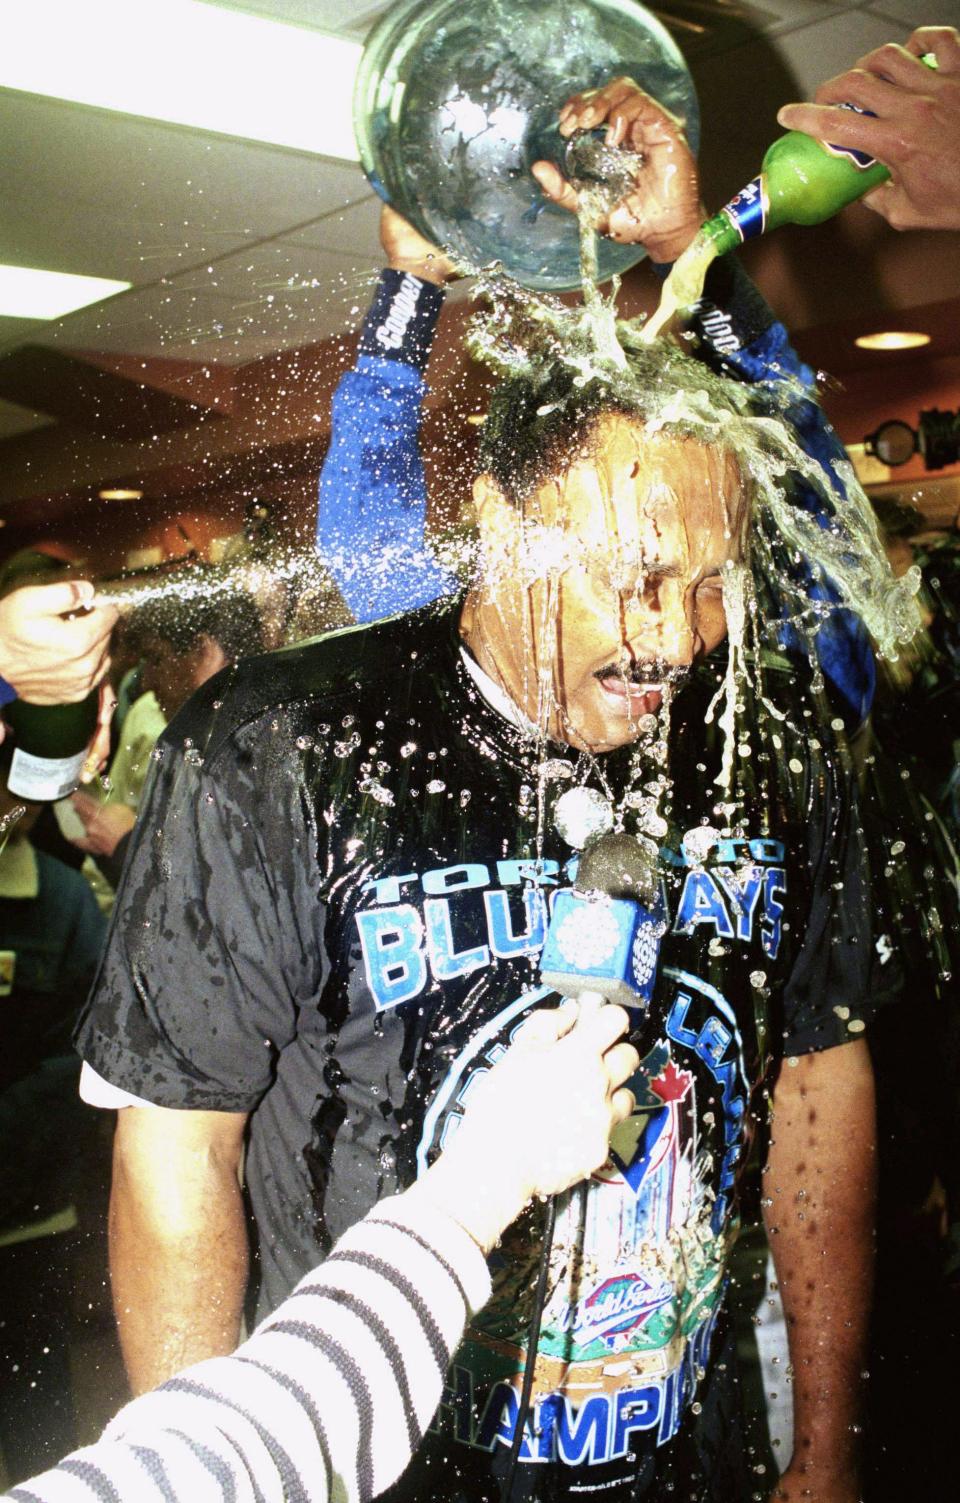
(331, 919)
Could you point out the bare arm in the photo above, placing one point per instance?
(178, 1242)
(819, 1194)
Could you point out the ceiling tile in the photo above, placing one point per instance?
(108, 195)
(270, 298)
(705, 27)
(354, 230)
(911, 13)
(15, 330)
(15, 419)
(336, 16)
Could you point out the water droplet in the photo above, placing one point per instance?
(555, 767)
(436, 785)
(376, 791)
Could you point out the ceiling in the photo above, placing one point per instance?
(237, 250)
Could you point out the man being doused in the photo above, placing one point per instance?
(601, 586)
(330, 922)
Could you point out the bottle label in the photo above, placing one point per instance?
(748, 211)
(860, 159)
(40, 779)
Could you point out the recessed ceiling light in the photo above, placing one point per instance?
(892, 339)
(188, 63)
(120, 494)
(28, 292)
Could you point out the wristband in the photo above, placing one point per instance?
(7, 693)
(731, 313)
(402, 319)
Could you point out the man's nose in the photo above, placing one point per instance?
(660, 628)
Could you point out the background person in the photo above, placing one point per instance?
(181, 644)
(913, 126)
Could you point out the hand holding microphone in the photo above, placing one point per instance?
(539, 1121)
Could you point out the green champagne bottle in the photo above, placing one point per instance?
(801, 181)
(51, 746)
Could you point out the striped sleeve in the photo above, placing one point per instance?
(328, 1398)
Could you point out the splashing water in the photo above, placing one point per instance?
(803, 556)
(8, 823)
(684, 285)
(838, 547)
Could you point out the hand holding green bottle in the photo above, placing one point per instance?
(912, 125)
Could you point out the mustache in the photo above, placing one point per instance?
(649, 671)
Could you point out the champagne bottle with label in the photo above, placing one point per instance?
(51, 746)
(801, 181)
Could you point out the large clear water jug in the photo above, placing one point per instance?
(456, 98)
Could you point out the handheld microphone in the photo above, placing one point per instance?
(603, 941)
(602, 945)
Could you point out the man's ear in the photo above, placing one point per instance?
(209, 659)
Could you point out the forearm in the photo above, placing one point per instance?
(178, 1262)
(320, 1354)
(819, 1194)
(371, 516)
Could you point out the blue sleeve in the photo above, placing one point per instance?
(740, 336)
(371, 517)
(7, 693)
(843, 646)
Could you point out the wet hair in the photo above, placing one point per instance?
(539, 419)
(532, 430)
(232, 620)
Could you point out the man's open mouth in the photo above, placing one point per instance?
(630, 678)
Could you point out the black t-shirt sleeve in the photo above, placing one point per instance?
(827, 998)
(214, 943)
